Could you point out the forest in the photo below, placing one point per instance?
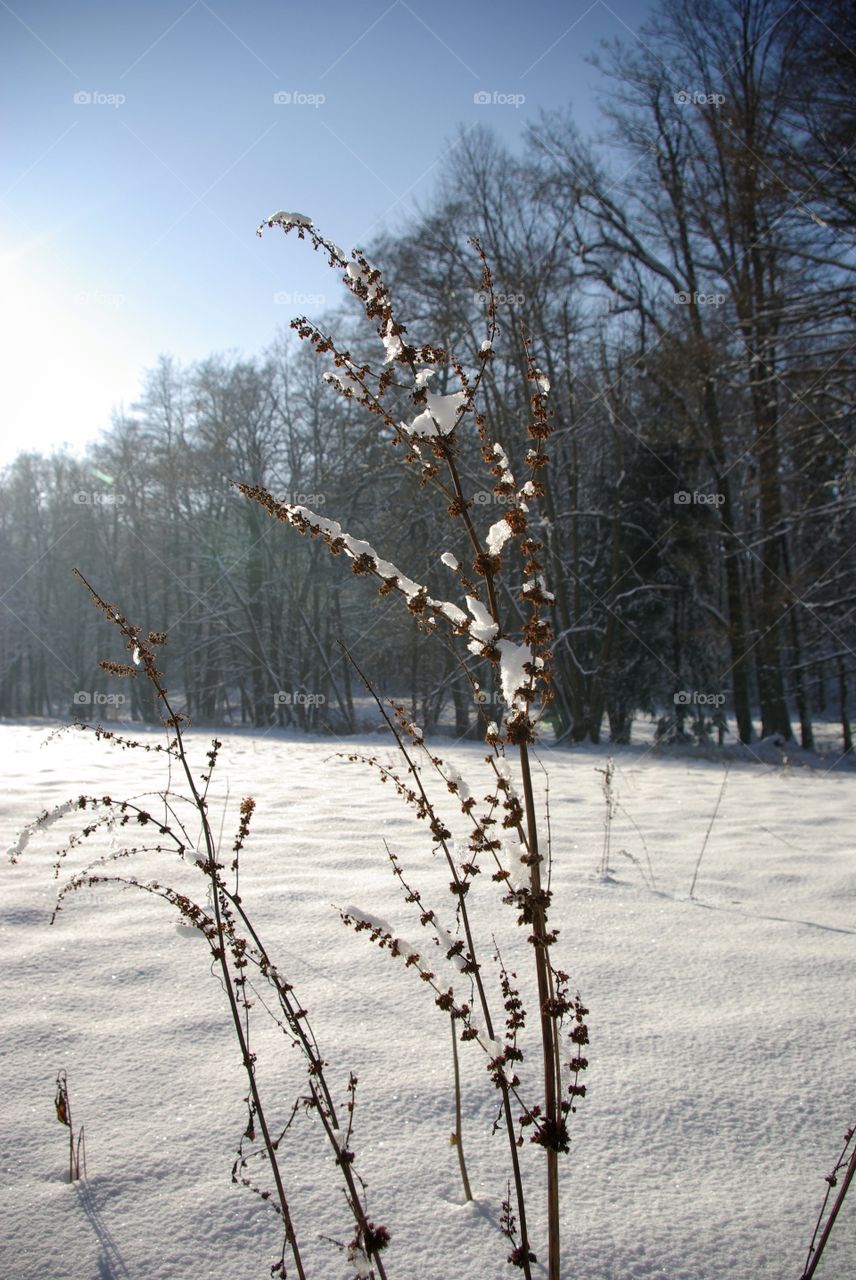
(687, 283)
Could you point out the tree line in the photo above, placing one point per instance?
(687, 285)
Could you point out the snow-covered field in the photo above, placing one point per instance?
(721, 1075)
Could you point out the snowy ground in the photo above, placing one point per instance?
(722, 1028)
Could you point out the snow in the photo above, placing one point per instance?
(345, 381)
(453, 613)
(455, 779)
(283, 219)
(359, 547)
(512, 659)
(428, 760)
(538, 583)
(360, 275)
(519, 871)
(360, 1261)
(722, 1034)
(445, 409)
(449, 560)
(440, 416)
(331, 527)
(42, 823)
(497, 536)
(392, 343)
(482, 628)
(447, 943)
(503, 768)
(502, 459)
(378, 925)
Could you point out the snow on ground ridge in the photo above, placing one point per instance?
(721, 1027)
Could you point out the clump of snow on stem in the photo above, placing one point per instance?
(497, 536)
(392, 343)
(360, 275)
(283, 219)
(503, 769)
(454, 779)
(344, 381)
(447, 771)
(502, 459)
(378, 925)
(493, 1048)
(446, 940)
(483, 629)
(359, 1259)
(519, 874)
(439, 418)
(453, 613)
(356, 547)
(538, 583)
(512, 660)
(47, 819)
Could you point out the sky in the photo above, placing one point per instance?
(144, 143)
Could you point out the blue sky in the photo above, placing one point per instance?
(143, 144)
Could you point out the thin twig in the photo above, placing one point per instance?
(709, 829)
(459, 1126)
(814, 1254)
